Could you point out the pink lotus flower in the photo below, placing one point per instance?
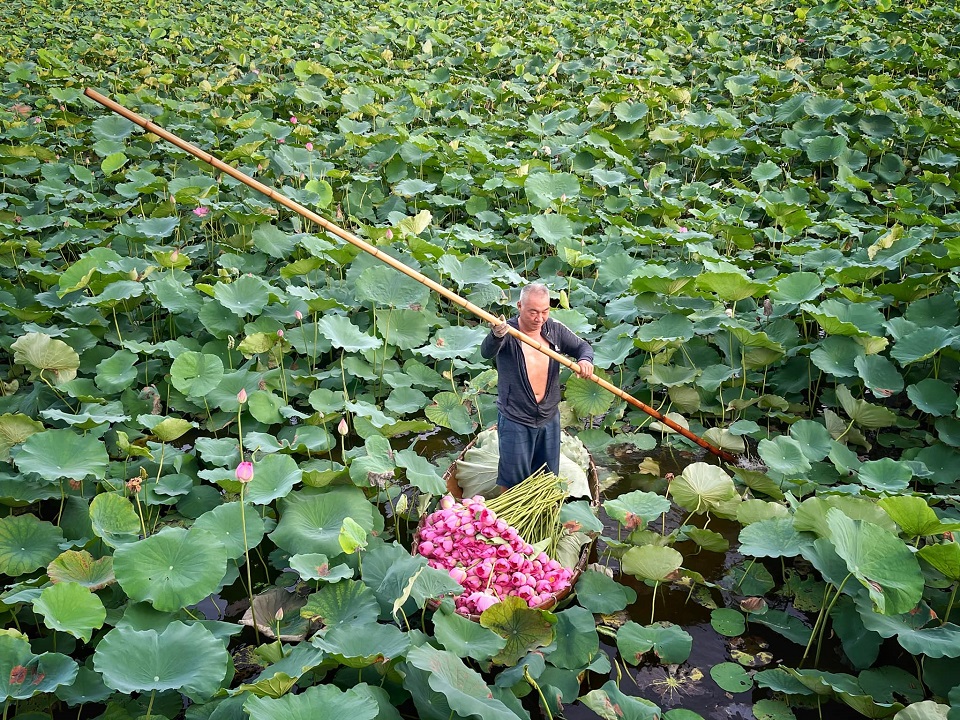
(298, 315)
(293, 119)
(309, 146)
(279, 333)
(342, 427)
(201, 212)
(281, 141)
(242, 396)
(245, 472)
(682, 228)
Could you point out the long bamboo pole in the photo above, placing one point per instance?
(392, 262)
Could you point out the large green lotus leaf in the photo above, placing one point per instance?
(879, 560)
(861, 646)
(273, 241)
(88, 687)
(731, 286)
(864, 413)
(448, 411)
(166, 429)
(375, 415)
(651, 562)
(790, 626)
(826, 148)
(836, 355)
(553, 228)
(310, 520)
(406, 329)
(776, 537)
(728, 622)
(247, 295)
(27, 543)
(23, 674)
(14, 429)
(524, 628)
(317, 701)
(360, 645)
(796, 288)
(42, 353)
(587, 398)
(79, 567)
(812, 513)
(238, 531)
(314, 566)
(731, 677)
(815, 441)
(670, 643)
(185, 658)
(921, 344)
(837, 317)
(454, 342)
(945, 557)
(933, 642)
(274, 477)
(785, 455)
(879, 375)
(463, 637)
(754, 510)
(71, 608)
(196, 374)
(345, 335)
(638, 504)
(885, 475)
(90, 415)
(670, 376)
(343, 603)
(117, 372)
(577, 641)
(371, 469)
(114, 520)
(387, 287)
(420, 472)
(79, 274)
(704, 488)
(543, 188)
(173, 569)
(465, 691)
(924, 710)
(610, 703)
(603, 595)
(406, 400)
(933, 396)
(56, 454)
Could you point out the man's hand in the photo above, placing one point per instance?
(500, 329)
(586, 368)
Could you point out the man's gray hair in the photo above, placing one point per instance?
(533, 289)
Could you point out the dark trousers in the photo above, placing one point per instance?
(524, 450)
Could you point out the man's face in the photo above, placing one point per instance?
(533, 312)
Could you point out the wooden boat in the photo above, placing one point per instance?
(450, 477)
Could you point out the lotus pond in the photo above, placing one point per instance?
(749, 209)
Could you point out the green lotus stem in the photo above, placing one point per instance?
(953, 595)
(653, 599)
(150, 705)
(823, 625)
(535, 686)
(246, 553)
(744, 576)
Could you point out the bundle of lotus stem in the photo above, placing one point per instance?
(532, 508)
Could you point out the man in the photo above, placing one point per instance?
(528, 399)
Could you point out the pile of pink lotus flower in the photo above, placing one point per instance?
(487, 557)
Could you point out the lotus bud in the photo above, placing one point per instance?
(298, 315)
(242, 396)
(280, 333)
(389, 234)
(245, 471)
(309, 146)
(728, 312)
(278, 615)
(293, 119)
(564, 300)
(342, 427)
(447, 502)
(563, 198)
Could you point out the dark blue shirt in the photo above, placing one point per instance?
(515, 398)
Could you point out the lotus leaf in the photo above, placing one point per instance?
(172, 569)
(27, 543)
(728, 622)
(274, 477)
(342, 603)
(523, 628)
(361, 645)
(40, 352)
(196, 374)
(58, 454)
(776, 537)
(945, 557)
(186, 658)
(463, 637)
(704, 488)
(310, 520)
(543, 189)
(14, 429)
(652, 562)
(314, 566)
(23, 674)
(610, 703)
(80, 567)
(72, 608)
(577, 641)
(276, 613)
(731, 677)
(238, 530)
(114, 520)
(670, 643)
(879, 560)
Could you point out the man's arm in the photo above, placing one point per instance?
(494, 340)
(576, 347)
